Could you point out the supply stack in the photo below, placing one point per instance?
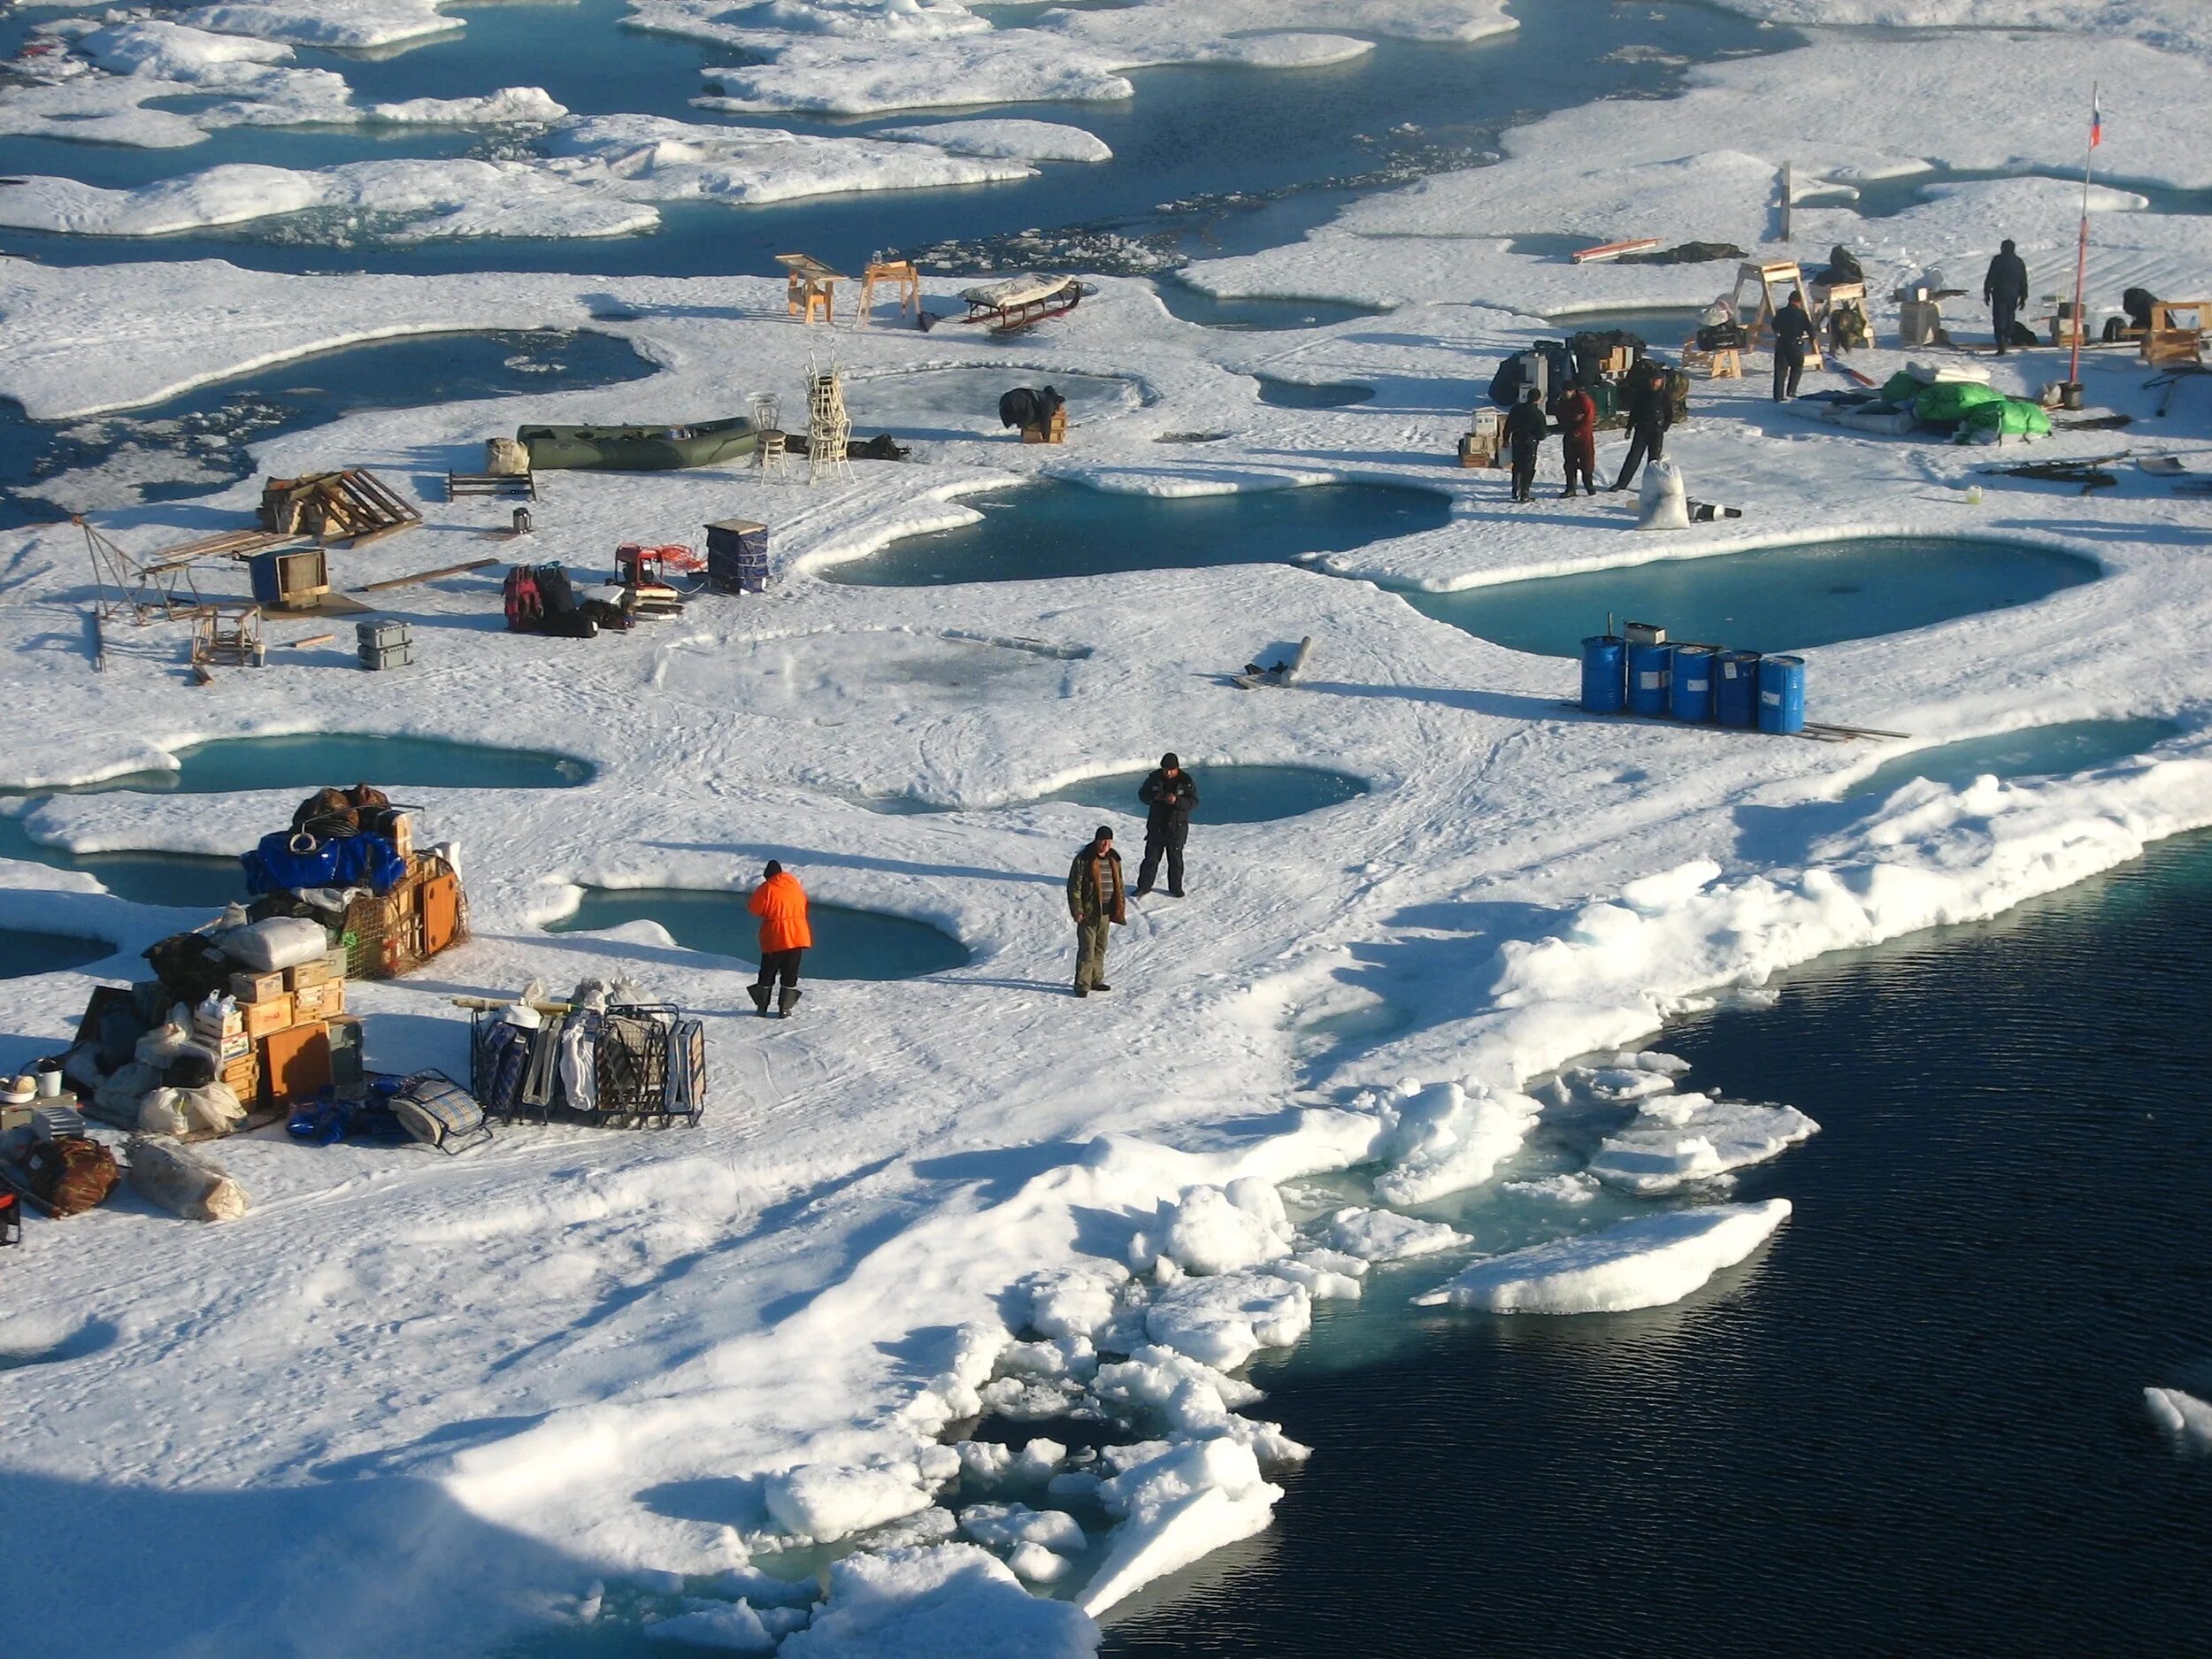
(242, 1021)
(283, 1035)
(1641, 672)
(350, 863)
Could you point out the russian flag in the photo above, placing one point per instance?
(2096, 121)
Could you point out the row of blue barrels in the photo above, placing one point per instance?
(1697, 683)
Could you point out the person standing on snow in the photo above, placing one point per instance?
(1792, 339)
(781, 903)
(1097, 902)
(1168, 794)
(1650, 412)
(1524, 431)
(1577, 412)
(2005, 289)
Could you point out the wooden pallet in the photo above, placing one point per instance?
(521, 486)
(353, 506)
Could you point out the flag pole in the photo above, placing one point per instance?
(2081, 247)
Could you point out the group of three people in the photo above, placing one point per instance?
(1095, 897)
(1648, 410)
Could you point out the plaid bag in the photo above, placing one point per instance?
(72, 1175)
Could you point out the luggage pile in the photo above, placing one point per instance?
(541, 599)
(351, 864)
(241, 1021)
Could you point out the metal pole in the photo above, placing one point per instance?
(1789, 195)
(2081, 248)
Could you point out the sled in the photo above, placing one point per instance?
(1612, 249)
(1280, 674)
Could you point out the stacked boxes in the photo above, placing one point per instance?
(384, 644)
(290, 1035)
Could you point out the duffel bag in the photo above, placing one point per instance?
(439, 1112)
(71, 1175)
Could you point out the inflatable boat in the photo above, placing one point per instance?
(639, 449)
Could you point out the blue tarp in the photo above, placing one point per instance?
(344, 861)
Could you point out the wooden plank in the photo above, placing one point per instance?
(1612, 249)
(425, 576)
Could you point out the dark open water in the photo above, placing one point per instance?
(1913, 1425)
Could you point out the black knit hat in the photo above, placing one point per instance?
(774, 869)
(1170, 763)
(1104, 832)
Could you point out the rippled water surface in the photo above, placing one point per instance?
(1912, 1425)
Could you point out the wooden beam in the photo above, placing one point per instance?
(425, 576)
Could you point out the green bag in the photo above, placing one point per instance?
(1946, 403)
(2005, 418)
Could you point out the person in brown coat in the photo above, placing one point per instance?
(1097, 902)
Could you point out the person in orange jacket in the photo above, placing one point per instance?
(781, 903)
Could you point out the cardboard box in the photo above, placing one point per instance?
(242, 1078)
(257, 987)
(320, 1001)
(210, 1030)
(227, 1049)
(313, 972)
(297, 1062)
(263, 1019)
(401, 826)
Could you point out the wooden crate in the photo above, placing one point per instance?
(1054, 431)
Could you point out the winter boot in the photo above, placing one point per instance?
(759, 994)
(785, 1001)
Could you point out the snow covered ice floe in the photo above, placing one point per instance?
(1677, 1139)
(951, 1602)
(1445, 1137)
(2184, 1417)
(1175, 1509)
(1023, 141)
(1645, 1263)
(1383, 1235)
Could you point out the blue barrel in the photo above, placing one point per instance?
(1604, 667)
(1649, 669)
(1690, 693)
(1735, 690)
(1781, 694)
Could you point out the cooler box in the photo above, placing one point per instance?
(381, 645)
(737, 557)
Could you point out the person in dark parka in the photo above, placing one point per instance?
(2006, 290)
(1650, 412)
(1170, 796)
(1577, 412)
(1525, 429)
(1097, 902)
(1792, 339)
